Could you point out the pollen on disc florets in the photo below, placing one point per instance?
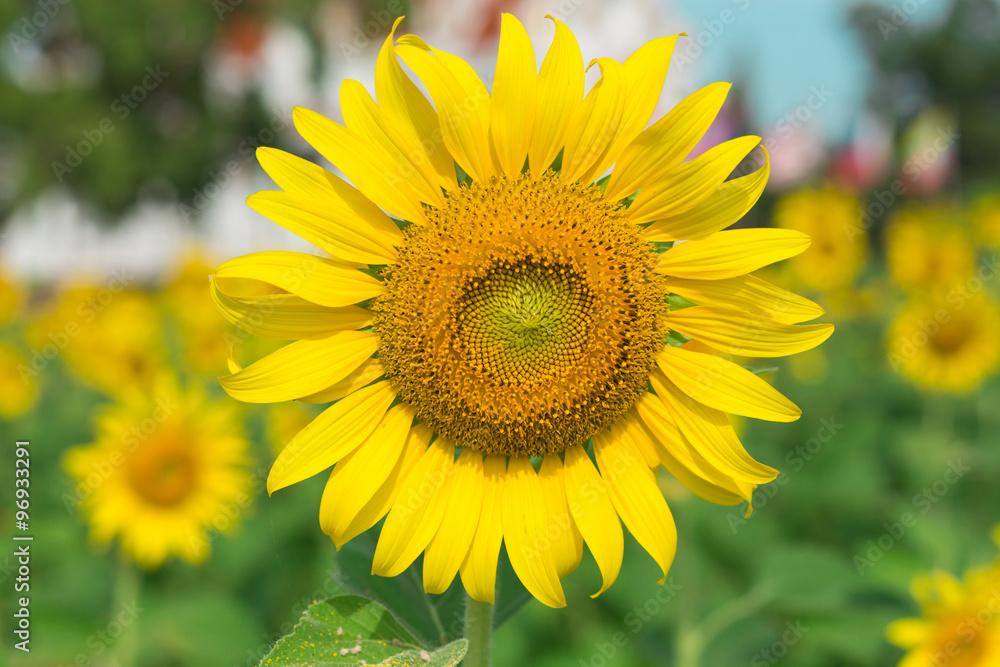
(522, 317)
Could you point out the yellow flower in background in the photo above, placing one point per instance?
(110, 337)
(203, 333)
(960, 626)
(946, 342)
(518, 311)
(18, 388)
(11, 298)
(928, 248)
(985, 217)
(839, 243)
(165, 471)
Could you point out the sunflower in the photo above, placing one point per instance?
(928, 249)
(839, 244)
(18, 388)
(204, 335)
(946, 341)
(11, 298)
(491, 296)
(985, 215)
(164, 470)
(961, 621)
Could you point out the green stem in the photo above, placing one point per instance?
(125, 595)
(479, 632)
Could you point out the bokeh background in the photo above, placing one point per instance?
(127, 133)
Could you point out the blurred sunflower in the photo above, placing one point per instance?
(960, 626)
(11, 298)
(949, 344)
(109, 338)
(517, 311)
(839, 244)
(927, 248)
(204, 335)
(985, 216)
(18, 389)
(164, 470)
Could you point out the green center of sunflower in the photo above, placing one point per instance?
(523, 317)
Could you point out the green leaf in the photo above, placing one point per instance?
(762, 370)
(354, 630)
(602, 183)
(677, 302)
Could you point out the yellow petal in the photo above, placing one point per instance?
(479, 570)
(731, 253)
(560, 92)
(686, 185)
(462, 102)
(909, 632)
(287, 317)
(316, 279)
(524, 522)
(594, 124)
(723, 385)
(748, 293)
(643, 73)
(417, 511)
(744, 334)
(377, 178)
(710, 432)
(369, 371)
(514, 96)
(636, 497)
(324, 228)
(363, 117)
(380, 504)
(564, 539)
(690, 469)
(301, 368)
(449, 547)
(662, 146)
(594, 514)
(332, 435)
(724, 207)
(357, 477)
(411, 120)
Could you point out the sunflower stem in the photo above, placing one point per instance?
(125, 596)
(479, 632)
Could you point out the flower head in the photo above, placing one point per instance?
(492, 323)
(927, 249)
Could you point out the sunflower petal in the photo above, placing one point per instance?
(369, 371)
(301, 368)
(316, 279)
(287, 317)
(594, 124)
(685, 186)
(723, 385)
(357, 477)
(376, 178)
(748, 293)
(637, 498)
(450, 545)
(524, 522)
(724, 207)
(514, 96)
(565, 540)
(417, 512)
(746, 335)
(560, 93)
(479, 570)
(664, 144)
(594, 514)
(332, 435)
(731, 253)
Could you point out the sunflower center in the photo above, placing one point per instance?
(162, 472)
(524, 316)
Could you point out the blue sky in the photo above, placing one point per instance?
(785, 47)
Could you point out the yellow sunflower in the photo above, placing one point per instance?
(166, 471)
(961, 621)
(204, 335)
(18, 388)
(985, 216)
(927, 248)
(491, 296)
(839, 244)
(946, 341)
